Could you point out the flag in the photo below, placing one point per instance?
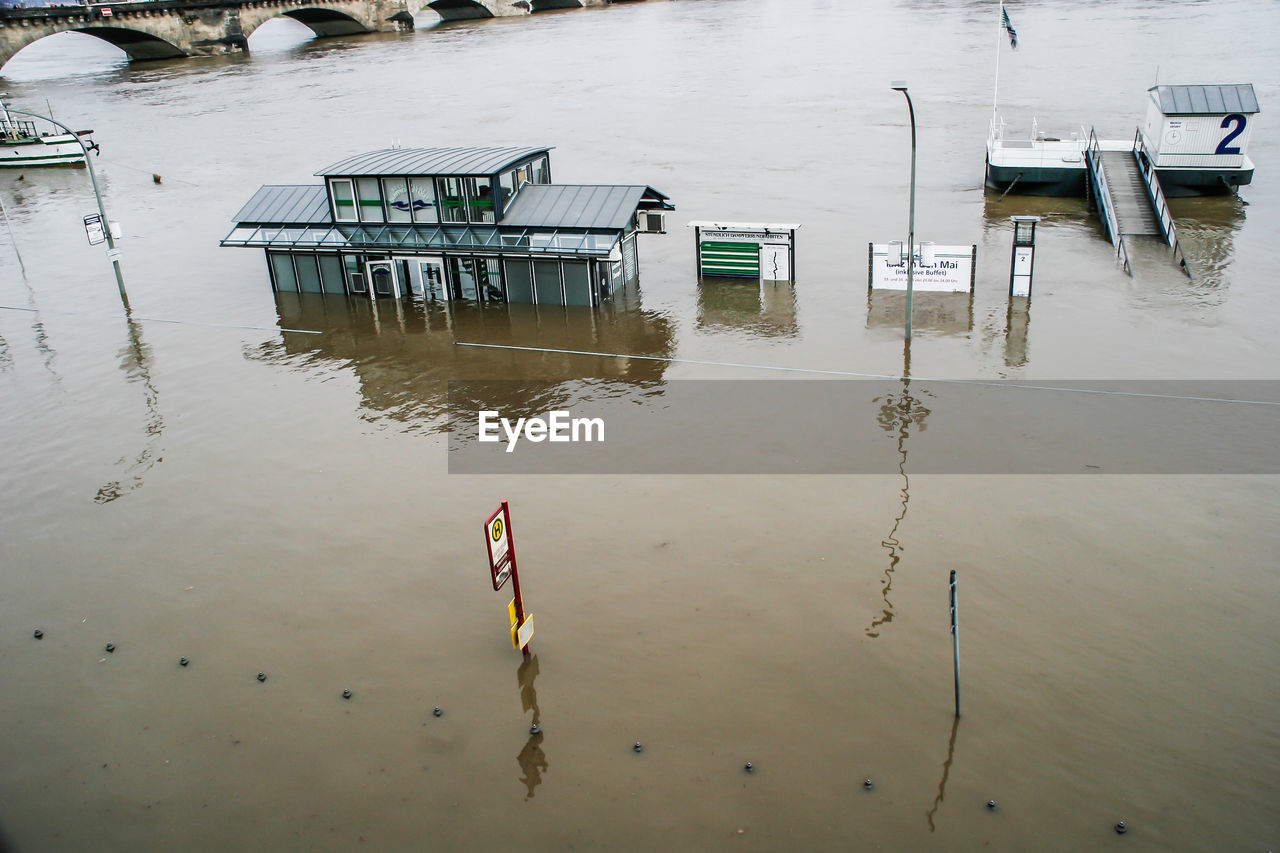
(1008, 28)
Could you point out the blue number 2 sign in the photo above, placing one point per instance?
(1239, 122)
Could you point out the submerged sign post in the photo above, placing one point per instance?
(945, 269)
(502, 565)
(746, 250)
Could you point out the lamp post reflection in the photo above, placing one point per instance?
(135, 361)
(898, 414)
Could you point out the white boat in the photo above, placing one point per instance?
(23, 143)
(1036, 164)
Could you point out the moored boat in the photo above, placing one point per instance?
(23, 143)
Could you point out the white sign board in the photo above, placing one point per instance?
(775, 263)
(93, 229)
(949, 270)
(1021, 282)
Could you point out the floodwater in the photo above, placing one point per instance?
(198, 482)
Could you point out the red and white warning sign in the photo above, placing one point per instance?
(497, 535)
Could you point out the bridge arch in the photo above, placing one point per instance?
(544, 5)
(320, 20)
(137, 43)
(459, 10)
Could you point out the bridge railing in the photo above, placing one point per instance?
(1161, 205)
(1102, 197)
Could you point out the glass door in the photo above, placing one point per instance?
(431, 274)
(382, 279)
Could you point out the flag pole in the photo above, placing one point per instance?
(999, 35)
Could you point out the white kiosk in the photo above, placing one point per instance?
(1196, 137)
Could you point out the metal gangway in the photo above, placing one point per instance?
(1129, 198)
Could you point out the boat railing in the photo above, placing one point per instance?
(1102, 197)
(1158, 201)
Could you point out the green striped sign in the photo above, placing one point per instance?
(736, 259)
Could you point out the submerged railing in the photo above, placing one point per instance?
(1161, 205)
(1102, 197)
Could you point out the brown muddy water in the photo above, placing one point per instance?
(265, 500)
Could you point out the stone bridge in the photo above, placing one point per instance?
(164, 29)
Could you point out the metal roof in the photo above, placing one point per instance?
(577, 206)
(1206, 100)
(522, 242)
(432, 161)
(295, 205)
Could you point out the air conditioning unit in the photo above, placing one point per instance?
(651, 222)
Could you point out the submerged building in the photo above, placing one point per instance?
(480, 224)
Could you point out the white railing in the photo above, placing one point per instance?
(1102, 195)
(1161, 205)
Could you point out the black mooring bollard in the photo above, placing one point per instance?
(991, 804)
(1121, 829)
(346, 694)
(262, 676)
(639, 747)
(749, 767)
(533, 730)
(39, 635)
(111, 647)
(867, 784)
(436, 712)
(183, 661)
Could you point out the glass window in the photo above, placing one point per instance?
(489, 277)
(422, 191)
(462, 271)
(355, 273)
(546, 280)
(370, 199)
(344, 201)
(480, 199)
(282, 272)
(331, 274)
(396, 192)
(308, 273)
(577, 283)
(452, 200)
(519, 282)
(522, 176)
(540, 171)
(506, 189)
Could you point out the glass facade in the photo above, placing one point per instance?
(396, 192)
(519, 281)
(577, 283)
(453, 200)
(369, 200)
(344, 201)
(546, 282)
(422, 192)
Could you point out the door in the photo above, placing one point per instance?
(382, 280)
(431, 274)
(462, 273)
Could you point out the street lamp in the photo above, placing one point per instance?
(901, 86)
(112, 252)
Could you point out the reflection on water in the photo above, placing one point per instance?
(764, 309)
(1207, 228)
(404, 356)
(946, 771)
(948, 314)
(135, 361)
(898, 414)
(1016, 331)
(532, 759)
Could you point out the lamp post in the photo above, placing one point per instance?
(901, 86)
(112, 252)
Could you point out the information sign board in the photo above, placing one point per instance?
(497, 536)
(93, 229)
(946, 269)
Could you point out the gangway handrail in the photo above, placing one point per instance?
(1102, 194)
(1158, 201)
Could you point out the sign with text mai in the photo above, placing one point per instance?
(947, 269)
